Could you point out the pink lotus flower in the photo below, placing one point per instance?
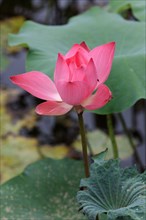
(78, 80)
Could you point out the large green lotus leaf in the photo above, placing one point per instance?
(138, 7)
(96, 26)
(113, 193)
(45, 191)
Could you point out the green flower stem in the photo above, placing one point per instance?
(84, 144)
(112, 136)
(130, 139)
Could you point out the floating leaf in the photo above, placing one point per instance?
(8, 124)
(99, 141)
(96, 27)
(137, 6)
(113, 193)
(16, 154)
(5, 117)
(57, 152)
(11, 25)
(46, 190)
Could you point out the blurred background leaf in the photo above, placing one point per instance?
(11, 25)
(96, 26)
(137, 7)
(99, 141)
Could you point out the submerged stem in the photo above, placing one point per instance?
(126, 130)
(112, 136)
(130, 139)
(84, 144)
